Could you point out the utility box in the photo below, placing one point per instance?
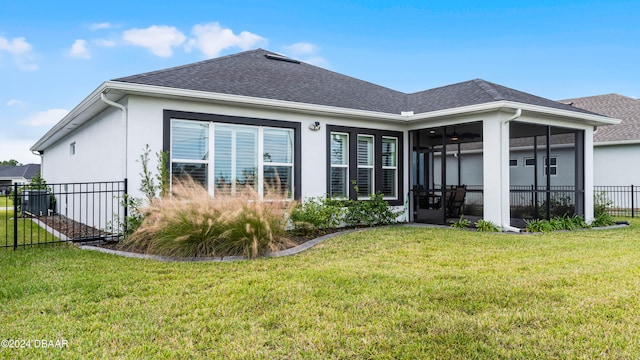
(35, 202)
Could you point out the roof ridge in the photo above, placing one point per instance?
(160, 71)
(489, 88)
(602, 96)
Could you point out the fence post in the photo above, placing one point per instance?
(126, 205)
(633, 194)
(15, 216)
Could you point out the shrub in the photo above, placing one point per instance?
(603, 219)
(191, 223)
(601, 203)
(484, 225)
(461, 224)
(538, 225)
(372, 212)
(317, 213)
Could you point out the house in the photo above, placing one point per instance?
(614, 146)
(260, 119)
(21, 174)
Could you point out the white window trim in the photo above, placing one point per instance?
(344, 166)
(525, 162)
(372, 166)
(544, 172)
(395, 168)
(517, 162)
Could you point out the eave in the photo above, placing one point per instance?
(92, 105)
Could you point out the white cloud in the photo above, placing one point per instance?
(16, 46)
(21, 51)
(104, 42)
(158, 39)
(46, 118)
(212, 38)
(79, 49)
(18, 150)
(99, 26)
(302, 48)
(15, 102)
(306, 52)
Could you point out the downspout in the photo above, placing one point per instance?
(38, 153)
(506, 226)
(106, 100)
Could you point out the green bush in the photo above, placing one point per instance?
(317, 213)
(462, 223)
(601, 203)
(603, 219)
(484, 225)
(538, 225)
(372, 212)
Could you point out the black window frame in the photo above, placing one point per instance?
(377, 134)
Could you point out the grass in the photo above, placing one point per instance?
(28, 231)
(6, 201)
(396, 292)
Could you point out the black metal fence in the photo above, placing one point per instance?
(54, 213)
(528, 202)
(618, 200)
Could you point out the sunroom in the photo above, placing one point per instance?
(505, 167)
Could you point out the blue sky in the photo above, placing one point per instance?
(53, 54)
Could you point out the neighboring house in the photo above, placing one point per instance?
(260, 119)
(616, 148)
(21, 174)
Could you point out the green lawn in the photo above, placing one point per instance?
(6, 201)
(401, 292)
(28, 232)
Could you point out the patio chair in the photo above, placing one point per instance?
(455, 201)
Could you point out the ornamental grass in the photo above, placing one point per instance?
(191, 223)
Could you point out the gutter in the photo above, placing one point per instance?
(125, 119)
(506, 224)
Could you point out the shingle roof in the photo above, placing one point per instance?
(256, 73)
(22, 171)
(475, 92)
(617, 106)
(251, 73)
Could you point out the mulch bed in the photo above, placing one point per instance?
(76, 230)
(71, 228)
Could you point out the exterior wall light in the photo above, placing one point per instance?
(315, 126)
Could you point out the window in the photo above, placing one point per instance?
(513, 162)
(389, 167)
(365, 179)
(228, 158)
(189, 150)
(339, 154)
(72, 148)
(362, 162)
(552, 166)
(529, 162)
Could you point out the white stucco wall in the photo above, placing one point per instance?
(615, 165)
(98, 154)
(146, 127)
(523, 175)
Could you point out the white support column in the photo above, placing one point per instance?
(588, 175)
(492, 174)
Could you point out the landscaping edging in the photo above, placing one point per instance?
(287, 252)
